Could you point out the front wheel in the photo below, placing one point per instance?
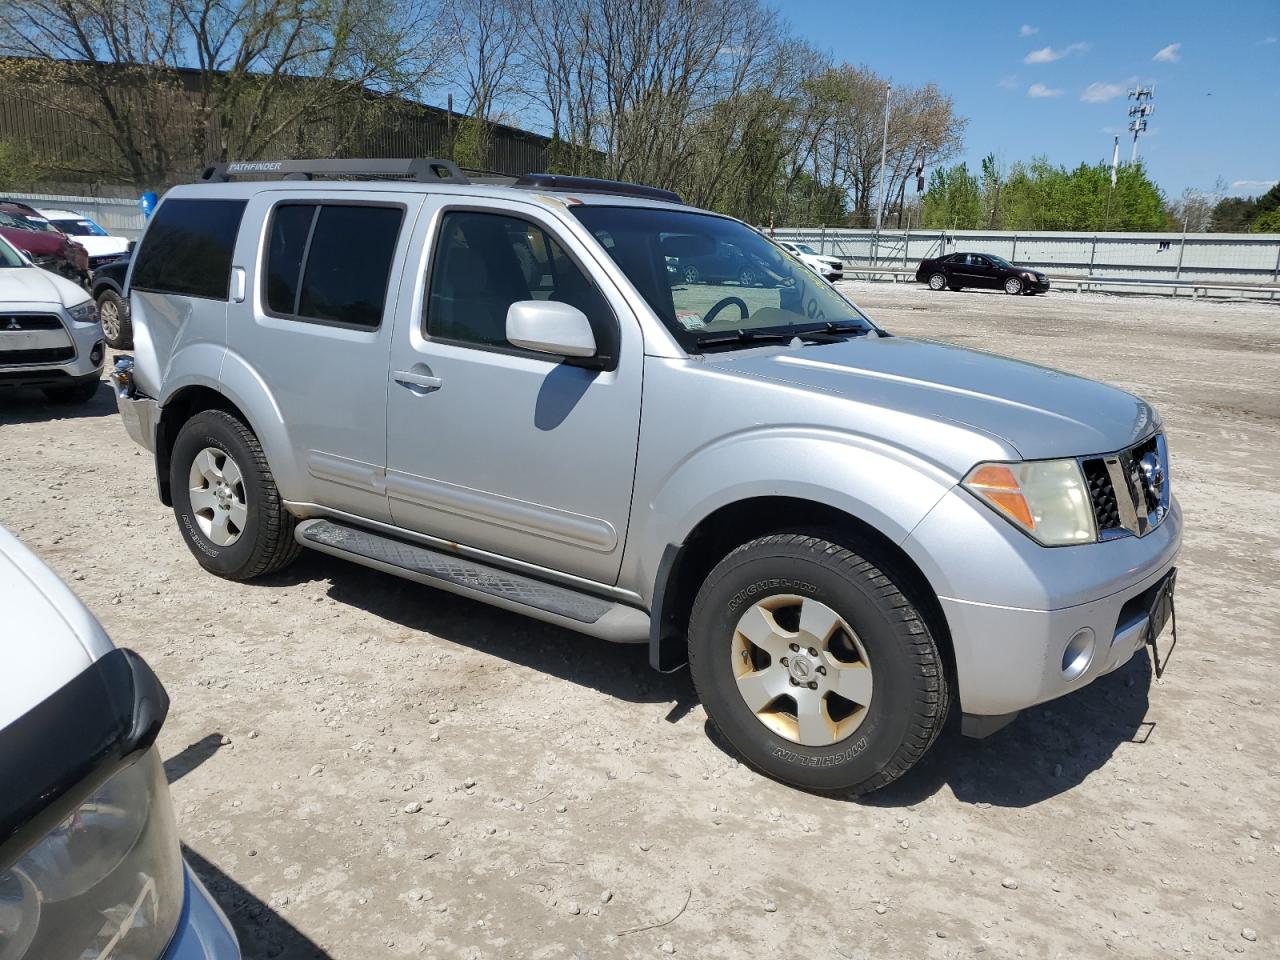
(691, 274)
(79, 392)
(1013, 286)
(225, 499)
(815, 665)
(937, 281)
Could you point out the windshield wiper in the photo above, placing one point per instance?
(745, 336)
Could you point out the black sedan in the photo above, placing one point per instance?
(982, 271)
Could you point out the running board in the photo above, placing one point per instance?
(549, 602)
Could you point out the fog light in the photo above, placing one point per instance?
(97, 353)
(1078, 654)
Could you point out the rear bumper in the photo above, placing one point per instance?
(1013, 606)
(203, 930)
(140, 416)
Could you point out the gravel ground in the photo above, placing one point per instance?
(366, 768)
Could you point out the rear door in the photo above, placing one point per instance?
(324, 277)
(502, 449)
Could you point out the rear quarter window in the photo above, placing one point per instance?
(188, 247)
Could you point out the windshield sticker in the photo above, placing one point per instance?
(690, 320)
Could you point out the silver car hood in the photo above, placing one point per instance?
(1041, 413)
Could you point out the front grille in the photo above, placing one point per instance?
(33, 321)
(1129, 490)
(1103, 495)
(48, 355)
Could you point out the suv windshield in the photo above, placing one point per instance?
(707, 276)
(80, 228)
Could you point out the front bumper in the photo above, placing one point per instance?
(76, 345)
(1013, 606)
(203, 930)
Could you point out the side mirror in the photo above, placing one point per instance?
(549, 326)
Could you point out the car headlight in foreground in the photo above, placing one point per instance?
(90, 864)
(86, 312)
(1046, 499)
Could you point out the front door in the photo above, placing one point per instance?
(517, 453)
(984, 272)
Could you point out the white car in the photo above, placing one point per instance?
(50, 335)
(90, 861)
(103, 247)
(829, 268)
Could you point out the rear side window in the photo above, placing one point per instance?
(188, 248)
(331, 263)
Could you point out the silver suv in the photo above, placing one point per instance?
(504, 390)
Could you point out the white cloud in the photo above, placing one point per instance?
(1009, 82)
(1040, 90)
(1113, 130)
(1048, 54)
(1102, 92)
(1266, 40)
(1169, 54)
(1027, 30)
(1252, 186)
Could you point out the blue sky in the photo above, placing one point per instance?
(1051, 78)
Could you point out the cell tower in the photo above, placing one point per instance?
(1138, 113)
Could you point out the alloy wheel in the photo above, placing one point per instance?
(802, 670)
(217, 496)
(109, 313)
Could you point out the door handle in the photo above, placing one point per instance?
(417, 382)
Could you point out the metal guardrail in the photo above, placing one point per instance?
(1197, 288)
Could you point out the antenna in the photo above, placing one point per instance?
(1138, 113)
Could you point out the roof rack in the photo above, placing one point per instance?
(421, 170)
(426, 170)
(556, 181)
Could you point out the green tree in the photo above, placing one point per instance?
(17, 165)
(953, 200)
(1268, 222)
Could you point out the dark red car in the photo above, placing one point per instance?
(44, 243)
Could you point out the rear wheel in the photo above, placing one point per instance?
(1013, 286)
(691, 274)
(116, 324)
(815, 665)
(937, 281)
(225, 499)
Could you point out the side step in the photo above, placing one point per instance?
(549, 602)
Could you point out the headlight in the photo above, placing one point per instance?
(1046, 499)
(106, 882)
(86, 312)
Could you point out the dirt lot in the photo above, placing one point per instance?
(567, 798)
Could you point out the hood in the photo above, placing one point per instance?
(1039, 412)
(103, 246)
(38, 243)
(48, 638)
(37, 285)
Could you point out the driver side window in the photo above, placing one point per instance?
(484, 262)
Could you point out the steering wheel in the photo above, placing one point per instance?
(709, 316)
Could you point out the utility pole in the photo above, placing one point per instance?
(1138, 113)
(884, 148)
(1115, 163)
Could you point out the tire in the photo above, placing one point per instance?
(937, 281)
(254, 536)
(903, 688)
(82, 391)
(691, 274)
(748, 277)
(1013, 286)
(117, 326)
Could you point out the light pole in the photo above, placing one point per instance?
(884, 147)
